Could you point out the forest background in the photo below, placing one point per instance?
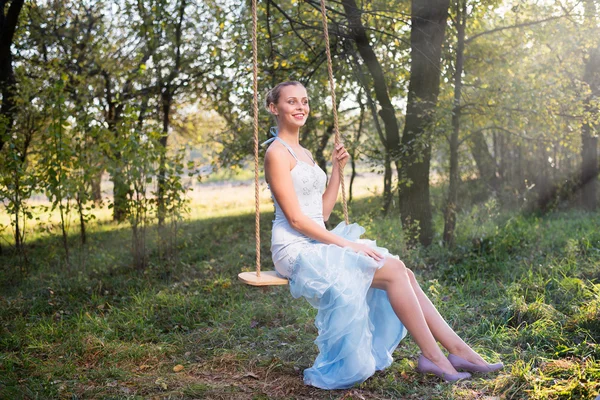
(473, 129)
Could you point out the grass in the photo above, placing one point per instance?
(524, 290)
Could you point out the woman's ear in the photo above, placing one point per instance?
(273, 109)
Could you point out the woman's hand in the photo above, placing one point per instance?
(339, 157)
(366, 250)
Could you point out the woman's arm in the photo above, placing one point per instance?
(338, 158)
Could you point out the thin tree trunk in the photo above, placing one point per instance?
(502, 152)
(520, 173)
(428, 21)
(113, 118)
(82, 234)
(543, 185)
(63, 228)
(96, 187)
(484, 160)
(589, 130)
(319, 157)
(355, 145)
(451, 205)
(352, 177)
(162, 170)
(556, 166)
(589, 173)
(387, 176)
(387, 183)
(120, 191)
(18, 242)
(391, 139)
(167, 93)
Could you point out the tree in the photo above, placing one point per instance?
(428, 20)
(387, 112)
(591, 124)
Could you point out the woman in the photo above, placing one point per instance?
(366, 298)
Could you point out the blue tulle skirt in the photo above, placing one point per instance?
(358, 330)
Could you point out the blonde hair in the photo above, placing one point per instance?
(273, 94)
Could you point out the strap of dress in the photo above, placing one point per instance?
(287, 146)
(309, 156)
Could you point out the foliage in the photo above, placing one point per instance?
(187, 65)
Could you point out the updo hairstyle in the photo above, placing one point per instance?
(273, 94)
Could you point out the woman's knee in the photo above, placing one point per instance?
(390, 274)
(410, 273)
(412, 278)
(403, 272)
(400, 270)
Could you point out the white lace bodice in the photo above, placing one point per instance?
(309, 184)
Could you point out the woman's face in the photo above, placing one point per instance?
(292, 108)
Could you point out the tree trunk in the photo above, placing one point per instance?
(168, 87)
(543, 185)
(428, 21)
(484, 160)
(387, 176)
(120, 187)
(80, 210)
(589, 130)
(387, 112)
(96, 187)
(387, 184)
(355, 145)
(8, 82)
(166, 98)
(120, 192)
(589, 172)
(319, 157)
(17, 202)
(391, 139)
(451, 204)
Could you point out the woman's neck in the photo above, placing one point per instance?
(290, 136)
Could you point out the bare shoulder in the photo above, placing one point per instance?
(276, 154)
(275, 150)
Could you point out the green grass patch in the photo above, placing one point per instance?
(521, 289)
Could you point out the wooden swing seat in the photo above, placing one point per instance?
(266, 278)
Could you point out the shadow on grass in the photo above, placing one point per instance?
(525, 293)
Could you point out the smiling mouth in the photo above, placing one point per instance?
(298, 115)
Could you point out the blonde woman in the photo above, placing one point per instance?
(366, 298)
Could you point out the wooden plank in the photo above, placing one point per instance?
(267, 278)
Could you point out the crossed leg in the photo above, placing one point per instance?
(420, 317)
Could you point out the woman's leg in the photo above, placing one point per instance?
(395, 279)
(440, 328)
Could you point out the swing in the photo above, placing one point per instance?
(270, 278)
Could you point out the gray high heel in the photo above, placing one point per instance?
(426, 366)
(464, 365)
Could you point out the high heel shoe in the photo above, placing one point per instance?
(464, 365)
(425, 366)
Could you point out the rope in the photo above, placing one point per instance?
(255, 105)
(255, 122)
(334, 106)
